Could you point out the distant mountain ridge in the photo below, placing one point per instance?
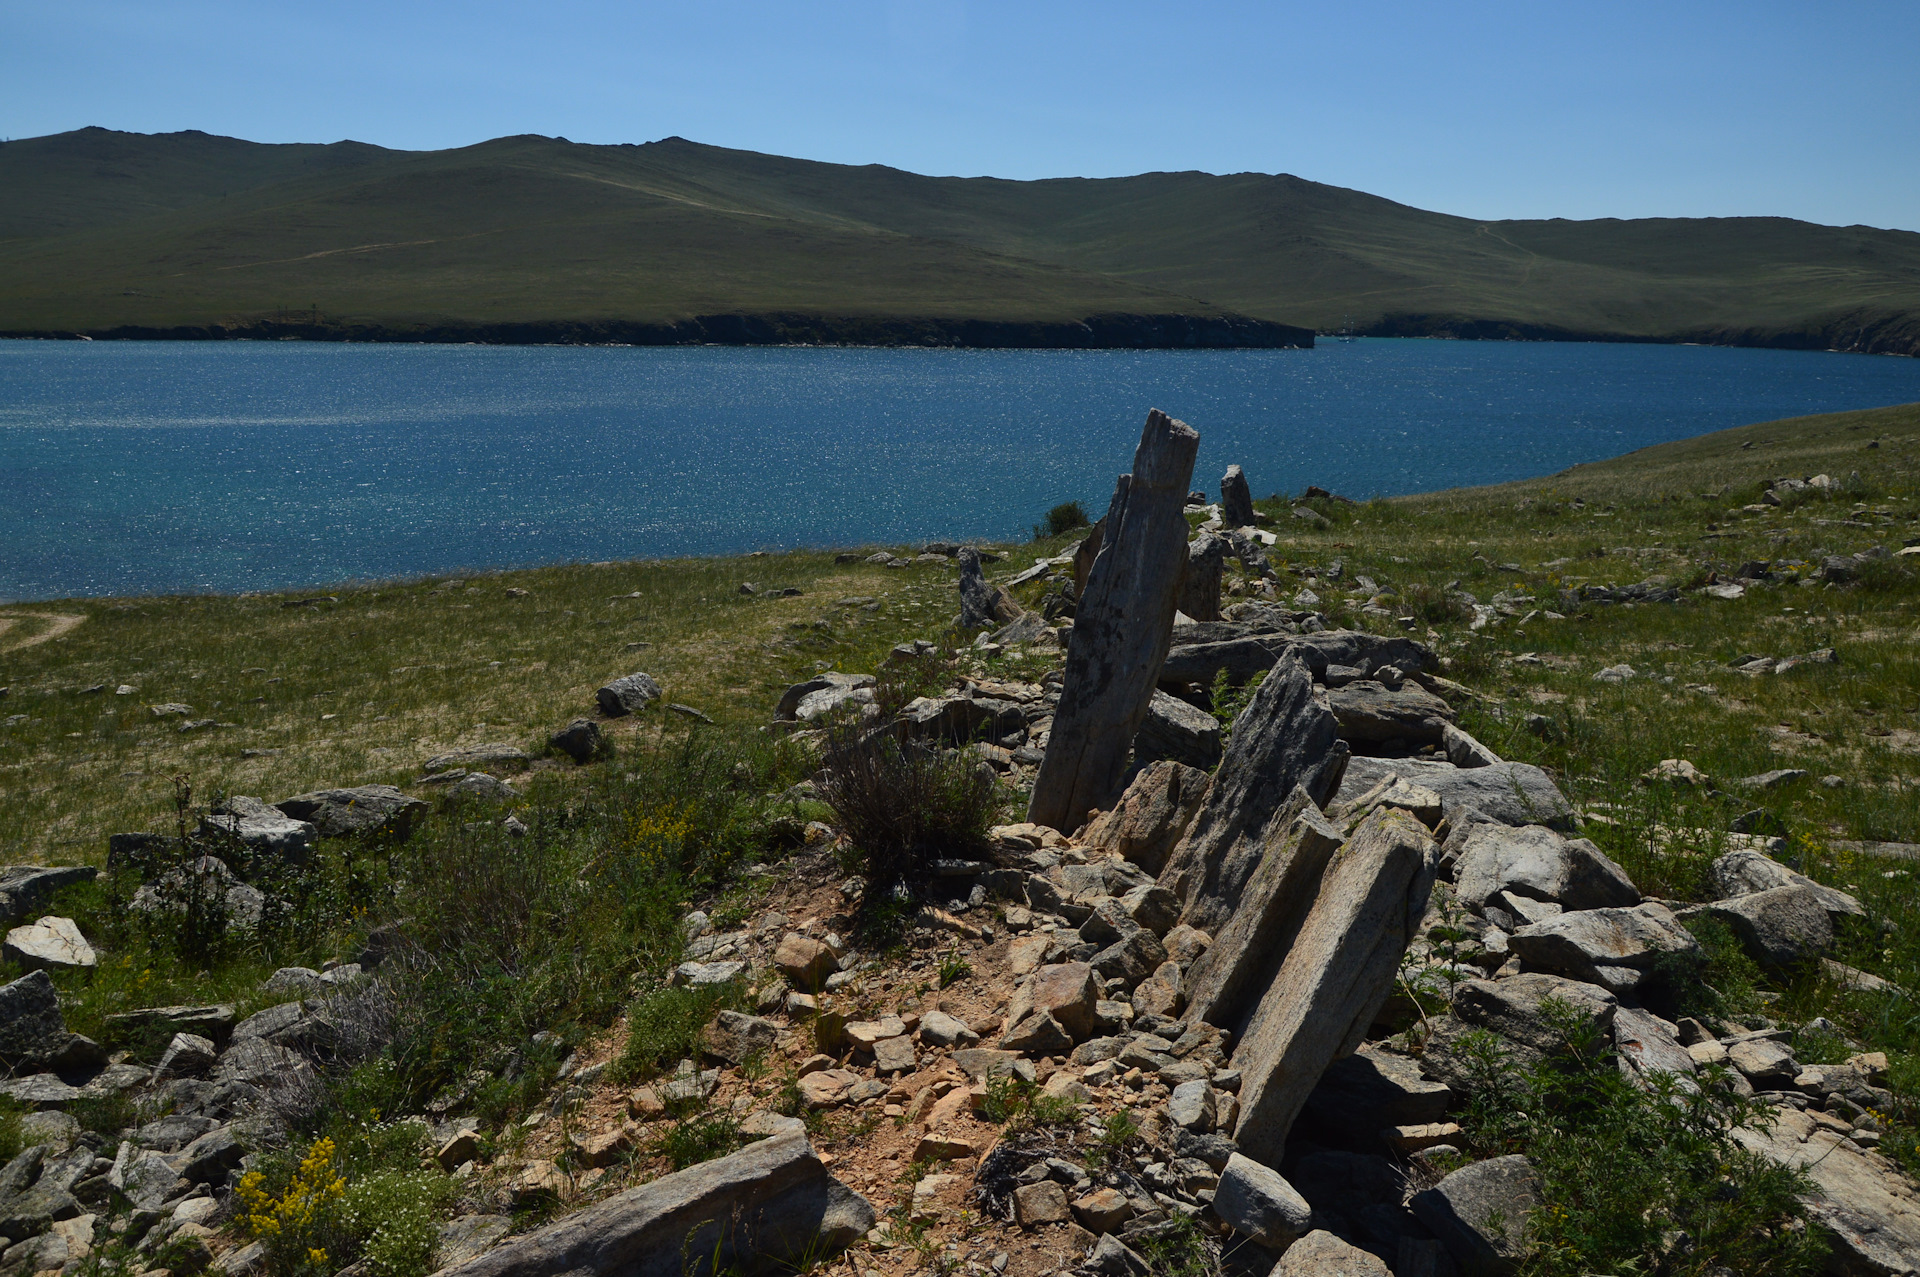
(539, 239)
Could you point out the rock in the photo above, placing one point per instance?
(759, 1126)
(1647, 1044)
(1159, 993)
(1065, 991)
(147, 1179)
(51, 942)
(478, 758)
(39, 1091)
(1872, 1216)
(581, 740)
(209, 879)
(1283, 739)
(1103, 1210)
(837, 688)
(1236, 500)
(1152, 816)
(1511, 1008)
(1321, 1254)
(981, 604)
(745, 1211)
(1123, 626)
(1131, 959)
(460, 1240)
(1372, 713)
(804, 961)
(336, 813)
(1268, 911)
(894, 1055)
(1396, 791)
(1779, 927)
(481, 786)
(1199, 596)
(208, 1159)
(268, 834)
(824, 1088)
(1373, 1088)
(1335, 975)
(149, 1028)
(1481, 1212)
(1176, 730)
(1463, 750)
(941, 1148)
(1257, 1202)
(1600, 945)
(627, 695)
(938, 1029)
(187, 1055)
(1201, 661)
(31, 1028)
(1042, 1203)
(1112, 1257)
(1769, 1065)
(1192, 1106)
(1741, 873)
(1506, 793)
(1677, 771)
(1534, 861)
(734, 1037)
(26, 889)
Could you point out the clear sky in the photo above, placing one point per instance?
(1807, 109)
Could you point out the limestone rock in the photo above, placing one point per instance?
(1258, 1202)
(1481, 1211)
(1236, 499)
(745, 1211)
(1535, 861)
(51, 942)
(1595, 944)
(1506, 793)
(267, 833)
(627, 695)
(336, 813)
(187, 1055)
(1152, 816)
(31, 1027)
(1176, 730)
(1283, 739)
(1463, 750)
(1122, 628)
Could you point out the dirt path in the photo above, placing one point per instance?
(59, 623)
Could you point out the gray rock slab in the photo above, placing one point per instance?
(1176, 730)
(1779, 927)
(1372, 713)
(627, 695)
(1507, 793)
(52, 942)
(751, 1211)
(1583, 944)
(1236, 500)
(31, 1027)
(1370, 1090)
(1481, 1211)
(1873, 1215)
(1535, 861)
(1257, 1201)
(1321, 1254)
(25, 889)
(1512, 1008)
(1743, 873)
(1152, 815)
(337, 812)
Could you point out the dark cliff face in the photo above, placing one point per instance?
(1095, 332)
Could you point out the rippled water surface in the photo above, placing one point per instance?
(136, 467)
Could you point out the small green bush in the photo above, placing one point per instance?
(663, 1027)
(700, 1138)
(1063, 518)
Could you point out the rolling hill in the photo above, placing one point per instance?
(533, 238)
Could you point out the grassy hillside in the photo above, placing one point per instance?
(100, 230)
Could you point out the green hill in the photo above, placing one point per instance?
(531, 238)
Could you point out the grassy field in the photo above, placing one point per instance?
(101, 229)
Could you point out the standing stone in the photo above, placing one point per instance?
(1085, 553)
(1122, 628)
(1236, 499)
(1284, 738)
(981, 604)
(1152, 816)
(1336, 974)
(1200, 583)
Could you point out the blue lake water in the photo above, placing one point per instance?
(157, 467)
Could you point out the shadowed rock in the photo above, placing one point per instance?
(981, 604)
(1236, 499)
(1122, 628)
(1152, 816)
(1200, 583)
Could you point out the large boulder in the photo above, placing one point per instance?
(1517, 1009)
(1283, 739)
(336, 813)
(1357, 649)
(1370, 1090)
(1373, 713)
(748, 1212)
(1335, 976)
(1506, 793)
(1779, 927)
(1123, 625)
(1176, 730)
(1872, 1215)
(51, 942)
(1535, 861)
(1609, 947)
(1200, 660)
(1236, 500)
(1255, 1200)
(1200, 582)
(33, 1034)
(1151, 817)
(981, 604)
(1745, 873)
(1066, 991)
(1481, 1213)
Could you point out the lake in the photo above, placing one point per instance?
(162, 467)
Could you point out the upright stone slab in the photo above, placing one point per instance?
(1283, 739)
(1336, 974)
(1122, 628)
(1152, 816)
(1200, 584)
(981, 604)
(1236, 499)
(1085, 553)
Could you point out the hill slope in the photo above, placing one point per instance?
(526, 237)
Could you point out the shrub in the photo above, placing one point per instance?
(700, 1138)
(1228, 701)
(664, 1026)
(1064, 517)
(904, 805)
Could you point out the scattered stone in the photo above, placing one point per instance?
(336, 813)
(1610, 947)
(1506, 793)
(628, 695)
(581, 740)
(1042, 1203)
(1256, 1201)
(1321, 1254)
(734, 1037)
(1534, 861)
(1779, 927)
(51, 942)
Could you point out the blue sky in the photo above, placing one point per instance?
(1807, 110)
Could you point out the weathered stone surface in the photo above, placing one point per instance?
(1769, 1065)
(821, 692)
(466, 1238)
(1283, 739)
(1160, 993)
(1192, 1106)
(1779, 927)
(804, 961)
(1535, 861)
(1066, 991)
(1368, 652)
(187, 1055)
(1194, 660)
(1463, 750)
(1042, 1203)
(1872, 1214)
(1268, 913)
(581, 740)
(733, 1036)
(1256, 1200)
(1130, 959)
(1122, 628)
(1176, 730)
(51, 942)
(981, 604)
(1373, 713)
(1152, 816)
(1236, 500)
(1335, 976)
(31, 1027)
(1745, 873)
(1646, 1044)
(335, 813)
(25, 889)
(265, 831)
(1321, 1254)
(1481, 1211)
(157, 1025)
(1511, 1008)
(1506, 793)
(1370, 1089)
(627, 695)
(1103, 1210)
(823, 1088)
(746, 1211)
(1585, 945)
(938, 1029)
(1200, 583)
(479, 758)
